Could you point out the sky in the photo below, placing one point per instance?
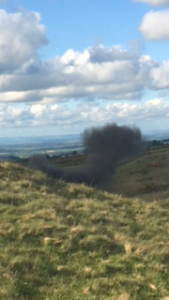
(70, 65)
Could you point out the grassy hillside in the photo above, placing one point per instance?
(63, 241)
(144, 175)
(133, 177)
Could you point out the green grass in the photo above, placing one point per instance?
(62, 241)
(144, 175)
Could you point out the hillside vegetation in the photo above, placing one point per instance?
(62, 241)
(147, 174)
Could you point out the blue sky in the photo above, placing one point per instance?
(67, 65)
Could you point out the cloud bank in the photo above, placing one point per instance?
(36, 92)
(96, 73)
(42, 116)
(111, 73)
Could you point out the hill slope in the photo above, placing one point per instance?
(62, 241)
(147, 174)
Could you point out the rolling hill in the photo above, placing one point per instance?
(63, 241)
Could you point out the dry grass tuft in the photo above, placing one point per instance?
(128, 248)
(124, 296)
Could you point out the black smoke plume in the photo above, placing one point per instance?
(104, 146)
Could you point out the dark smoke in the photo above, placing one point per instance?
(104, 146)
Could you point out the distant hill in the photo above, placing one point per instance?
(157, 134)
(154, 134)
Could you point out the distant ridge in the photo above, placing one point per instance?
(157, 134)
(152, 134)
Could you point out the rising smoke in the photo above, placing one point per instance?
(104, 146)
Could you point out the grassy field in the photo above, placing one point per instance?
(61, 241)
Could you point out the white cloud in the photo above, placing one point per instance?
(21, 36)
(98, 72)
(154, 2)
(37, 116)
(155, 26)
(111, 73)
(160, 76)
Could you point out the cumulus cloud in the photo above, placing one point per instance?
(102, 55)
(154, 2)
(21, 37)
(98, 72)
(160, 76)
(40, 115)
(155, 26)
